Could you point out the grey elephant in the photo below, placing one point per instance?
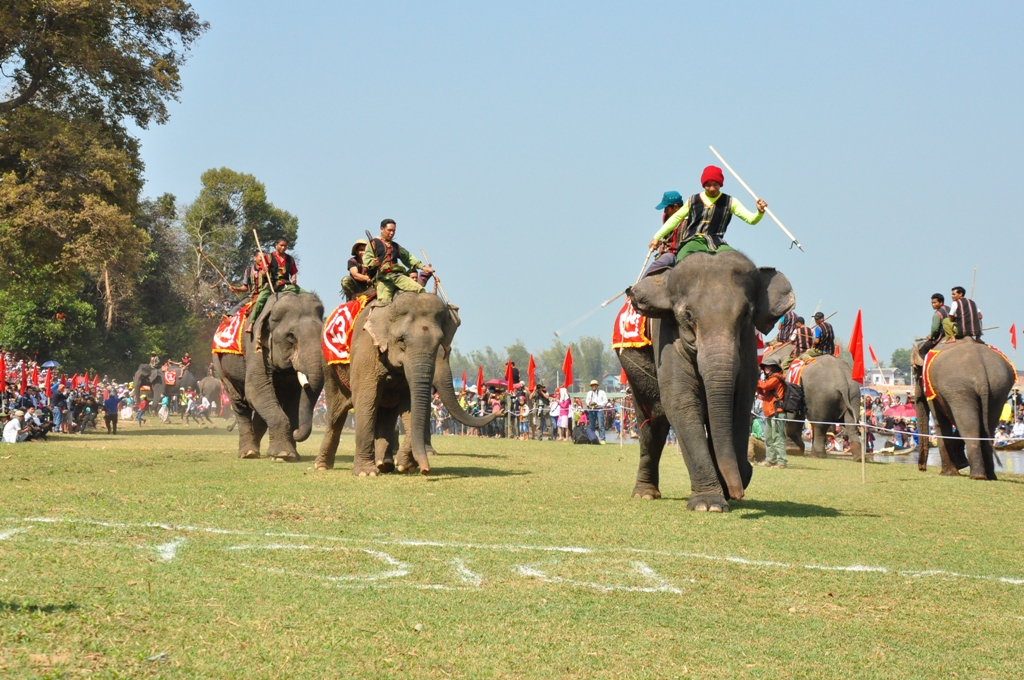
(972, 382)
(701, 372)
(831, 396)
(275, 383)
(399, 354)
(210, 388)
(154, 378)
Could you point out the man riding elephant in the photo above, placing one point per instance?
(389, 260)
(280, 267)
(941, 325)
(360, 278)
(824, 339)
(965, 315)
(699, 225)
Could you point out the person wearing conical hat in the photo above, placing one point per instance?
(699, 225)
(359, 278)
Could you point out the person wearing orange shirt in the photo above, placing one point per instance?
(770, 390)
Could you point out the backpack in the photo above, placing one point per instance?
(579, 435)
(793, 399)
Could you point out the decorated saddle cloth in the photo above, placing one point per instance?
(926, 377)
(228, 338)
(336, 341)
(796, 370)
(630, 328)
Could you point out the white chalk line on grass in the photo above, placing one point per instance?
(662, 586)
(414, 543)
(7, 533)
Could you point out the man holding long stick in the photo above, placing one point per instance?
(390, 260)
(699, 225)
(280, 270)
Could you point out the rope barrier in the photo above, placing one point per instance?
(876, 428)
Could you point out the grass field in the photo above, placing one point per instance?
(159, 554)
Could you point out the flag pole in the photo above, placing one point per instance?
(756, 198)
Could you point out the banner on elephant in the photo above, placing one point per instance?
(630, 328)
(336, 341)
(228, 338)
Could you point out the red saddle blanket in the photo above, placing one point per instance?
(336, 341)
(796, 370)
(228, 338)
(630, 328)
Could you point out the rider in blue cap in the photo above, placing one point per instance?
(671, 201)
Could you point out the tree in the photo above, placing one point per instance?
(588, 356)
(119, 56)
(901, 360)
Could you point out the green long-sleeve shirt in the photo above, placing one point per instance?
(735, 207)
(404, 256)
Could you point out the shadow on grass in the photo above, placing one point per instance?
(16, 608)
(790, 509)
(444, 473)
(471, 455)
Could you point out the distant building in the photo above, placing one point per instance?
(883, 376)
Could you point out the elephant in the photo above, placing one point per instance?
(210, 388)
(700, 373)
(154, 377)
(972, 382)
(831, 396)
(275, 383)
(399, 352)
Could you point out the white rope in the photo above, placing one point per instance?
(876, 428)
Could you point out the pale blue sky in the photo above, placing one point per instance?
(525, 145)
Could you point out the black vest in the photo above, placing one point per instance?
(788, 327)
(804, 338)
(966, 319)
(943, 312)
(278, 274)
(386, 254)
(827, 341)
(712, 221)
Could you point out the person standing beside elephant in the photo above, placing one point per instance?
(359, 278)
(699, 225)
(390, 261)
(771, 389)
(965, 315)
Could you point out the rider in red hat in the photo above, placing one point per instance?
(699, 225)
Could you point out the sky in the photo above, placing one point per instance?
(524, 146)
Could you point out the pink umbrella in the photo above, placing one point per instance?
(902, 411)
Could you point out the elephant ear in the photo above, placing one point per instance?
(775, 297)
(651, 296)
(449, 325)
(377, 324)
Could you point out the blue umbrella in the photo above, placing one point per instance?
(869, 392)
(50, 364)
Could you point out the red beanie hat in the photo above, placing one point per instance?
(712, 173)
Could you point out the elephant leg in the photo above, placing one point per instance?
(248, 440)
(794, 440)
(971, 432)
(365, 402)
(951, 447)
(385, 441)
(337, 412)
(820, 435)
(403, 458)
(652, 442)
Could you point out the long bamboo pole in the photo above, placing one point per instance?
(210, 262)
(640, 276)
(263, 258)
(757, 198)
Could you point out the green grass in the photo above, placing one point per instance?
(482, 599)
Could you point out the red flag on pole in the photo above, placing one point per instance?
(3, 371)
(857, 350)
(480, 381)
(567, 368)
(35, 375)
(838, 348)
(1013, 335)
(74, 381)
(508, 376)
(85, 380)
(531, 373)
(49, 383)
(24, 378)
(464, 379)
(873, 357)
(96, 380)
(622, 377)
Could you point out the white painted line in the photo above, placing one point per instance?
(465, 574)
(4, 535)
(663, 587)
(167, 551)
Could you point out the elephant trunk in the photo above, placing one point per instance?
(443, 385)
(419, 374)
(718, 367)
(311, 381)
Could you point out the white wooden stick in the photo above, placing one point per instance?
(642, 270)
(751, 192)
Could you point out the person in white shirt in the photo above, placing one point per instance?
(1018, 429)
(596, 400)
(13, 431)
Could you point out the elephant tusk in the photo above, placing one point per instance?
(303, 380)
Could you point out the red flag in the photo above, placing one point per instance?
(567, 368)
(873, 357)
(35, 375)
(64, 379)
(74, 381)
(508, 375)
(3, 371)
(85, 380)
(480, 381)
(857, 350)
(463, 379)
(531, 372)
(759, 345)
(622, 377)
(49, 383)
(836, 350)
(96, 380)
(24, 378)
(1013, 335)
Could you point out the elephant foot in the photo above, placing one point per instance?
(411, 467)
(711, 502)
(322, 467)
(285, 457)
(923, 467)
(385, 466)
(949, 472)
(815, 454)
(364, 469)
(647, 492)
(249, 453)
